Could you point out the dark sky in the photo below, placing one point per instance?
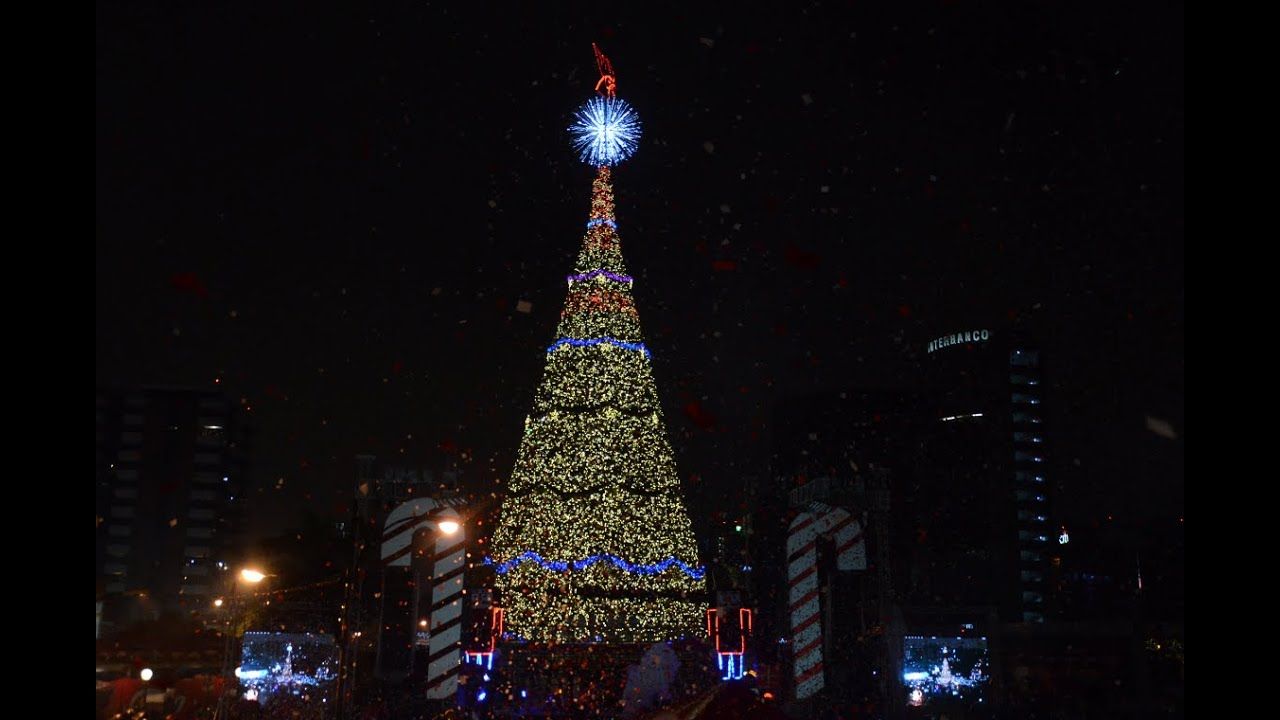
(336, 214)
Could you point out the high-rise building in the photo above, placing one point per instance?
(981, 497)
(170, 471)
(949, 478)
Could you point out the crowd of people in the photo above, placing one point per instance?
(589, 682)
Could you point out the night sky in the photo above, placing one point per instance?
(335, 216)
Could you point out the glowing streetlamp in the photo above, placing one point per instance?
(146, 674)
(249, 576)
(448, 527)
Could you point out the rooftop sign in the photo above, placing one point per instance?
(960, 338)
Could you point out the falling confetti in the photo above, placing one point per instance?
(1161, 427)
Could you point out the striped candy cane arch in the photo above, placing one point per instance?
(447, 562)
(817, 520)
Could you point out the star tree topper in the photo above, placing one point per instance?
(606, 129)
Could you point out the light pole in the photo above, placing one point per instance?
(249, 576)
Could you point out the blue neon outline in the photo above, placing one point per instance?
(582, 277)
(596, 341)
(560, 566)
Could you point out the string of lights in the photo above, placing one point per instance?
(599, 273)
(600, 301)
(560, 566)
(576, 380)
(594, 542)
(576, 342)
(623, 326)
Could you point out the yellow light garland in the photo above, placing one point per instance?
(595, 478)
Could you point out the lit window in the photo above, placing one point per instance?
(1024, 358)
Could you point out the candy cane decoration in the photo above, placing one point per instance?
(818, 520)
(444, 649)
(448, 562)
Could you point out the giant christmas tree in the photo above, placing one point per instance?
(593, 542)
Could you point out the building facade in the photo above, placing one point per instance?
(958, 530)
(170, 471)
(980, 500)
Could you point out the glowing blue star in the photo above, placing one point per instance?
(605, 131)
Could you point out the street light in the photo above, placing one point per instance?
(448, 527)
(146, 674)
(250, 576)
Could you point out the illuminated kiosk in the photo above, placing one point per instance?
(594, 554)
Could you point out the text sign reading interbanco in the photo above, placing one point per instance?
(960, 338)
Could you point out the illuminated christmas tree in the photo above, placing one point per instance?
(593, 542)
